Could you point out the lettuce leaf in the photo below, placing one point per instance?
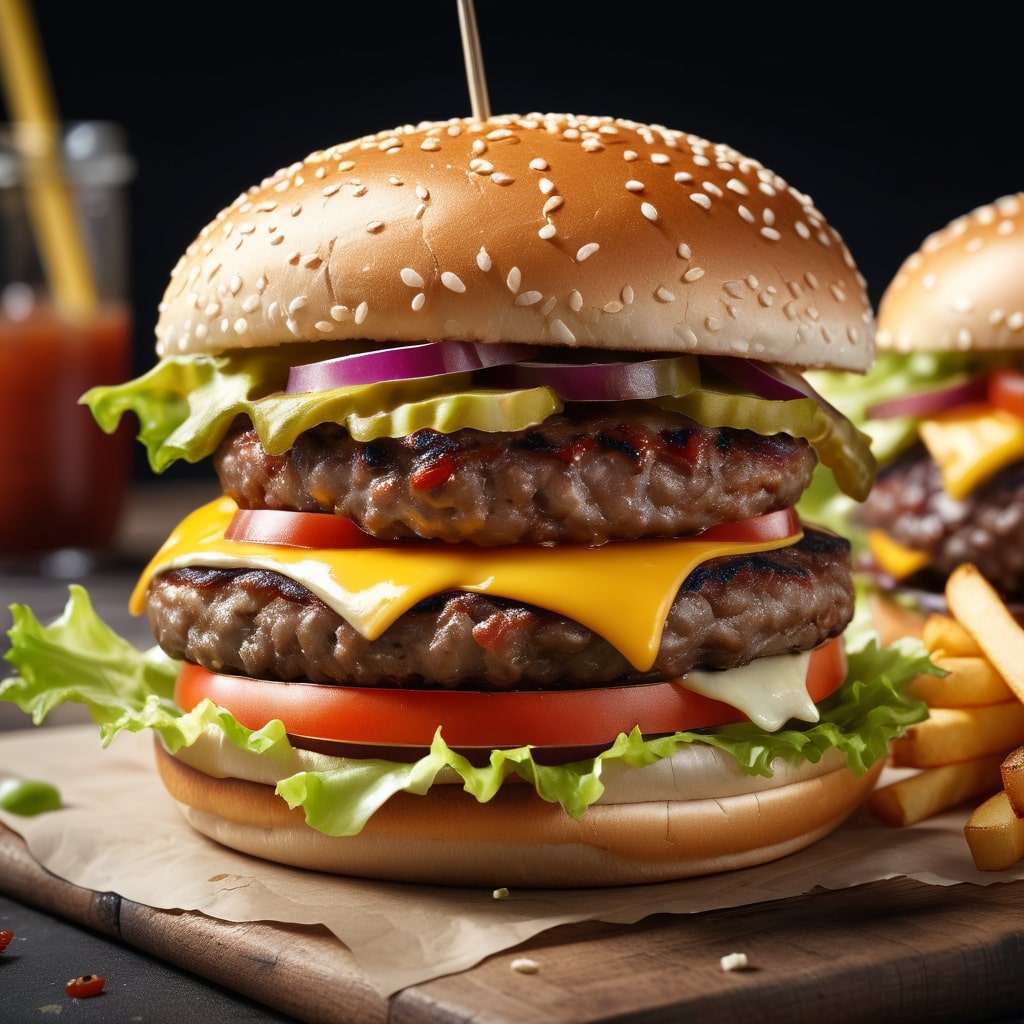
(79, 659)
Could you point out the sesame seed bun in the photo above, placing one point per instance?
(544, 229)
(963, 289)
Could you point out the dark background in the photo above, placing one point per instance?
(894, 122)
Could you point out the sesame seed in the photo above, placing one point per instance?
(296, 209)
(630, 155)
(430, 145)
(361, 312)
(1015, 321)
(737, 186)
(552, 204)
(538, 164)
(683, 251)
(560, 331)
(575, 301)
(683, 177)
(612, 307)
(479, 166)
(586, 251)
(251, 304)
(626, 295)
(548, 231)
(712, 324)
(422, 193)
(528, 298)
(212, 309)
(514, 280)
(418, 302)
(339, 313)
(771, 234)
(660, 158)
(411, 278)
(701, 200)
(746, 214)
(374, 226)
(311, 261)
(693, 274)
(323, 326)
(548, 306)
(298, 303)
(662, 294)
(483, 260)
(452, 282)
(546, 185)
(330, 190)
(235, 284)
(241, 326)
(634, 186)
(649, 211)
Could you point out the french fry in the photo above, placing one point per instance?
(929, 792)
(995, 834)
(950, 735)
(980, 610)
(1012, 775)
(972, 681)
(943, 635)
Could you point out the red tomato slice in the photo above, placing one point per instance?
(469, 719)
(1006, 390)
(324, 530)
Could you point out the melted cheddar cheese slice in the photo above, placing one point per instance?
(971, 443)
(621, 591)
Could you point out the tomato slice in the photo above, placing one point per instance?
(324, 530)
(1006, 390)
(470, 719)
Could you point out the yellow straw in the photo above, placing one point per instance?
(37, 137)
(474, 61)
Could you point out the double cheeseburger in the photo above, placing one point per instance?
(945, 407)
(506, 585)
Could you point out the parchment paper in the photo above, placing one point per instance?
(120, 832)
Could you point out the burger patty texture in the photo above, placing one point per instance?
(580, 477)
(985, 529)
(728, 612)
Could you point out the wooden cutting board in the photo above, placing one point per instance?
(890, 950)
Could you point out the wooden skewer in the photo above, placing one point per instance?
(474, 61)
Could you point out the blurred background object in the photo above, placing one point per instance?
(65, 322)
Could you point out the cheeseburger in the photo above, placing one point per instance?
(506, 584)
(945, 408)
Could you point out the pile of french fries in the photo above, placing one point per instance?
(971, 748)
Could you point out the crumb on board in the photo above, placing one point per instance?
(524, 965)
(500, 894)
(734, 961)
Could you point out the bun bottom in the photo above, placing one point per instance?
(518, 839)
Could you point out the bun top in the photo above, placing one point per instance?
(544, 229)
(963, 289)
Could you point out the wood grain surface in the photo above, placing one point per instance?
(894, 950)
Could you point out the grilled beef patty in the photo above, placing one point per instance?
(985, 529)
(728, 612)
(587, 476)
